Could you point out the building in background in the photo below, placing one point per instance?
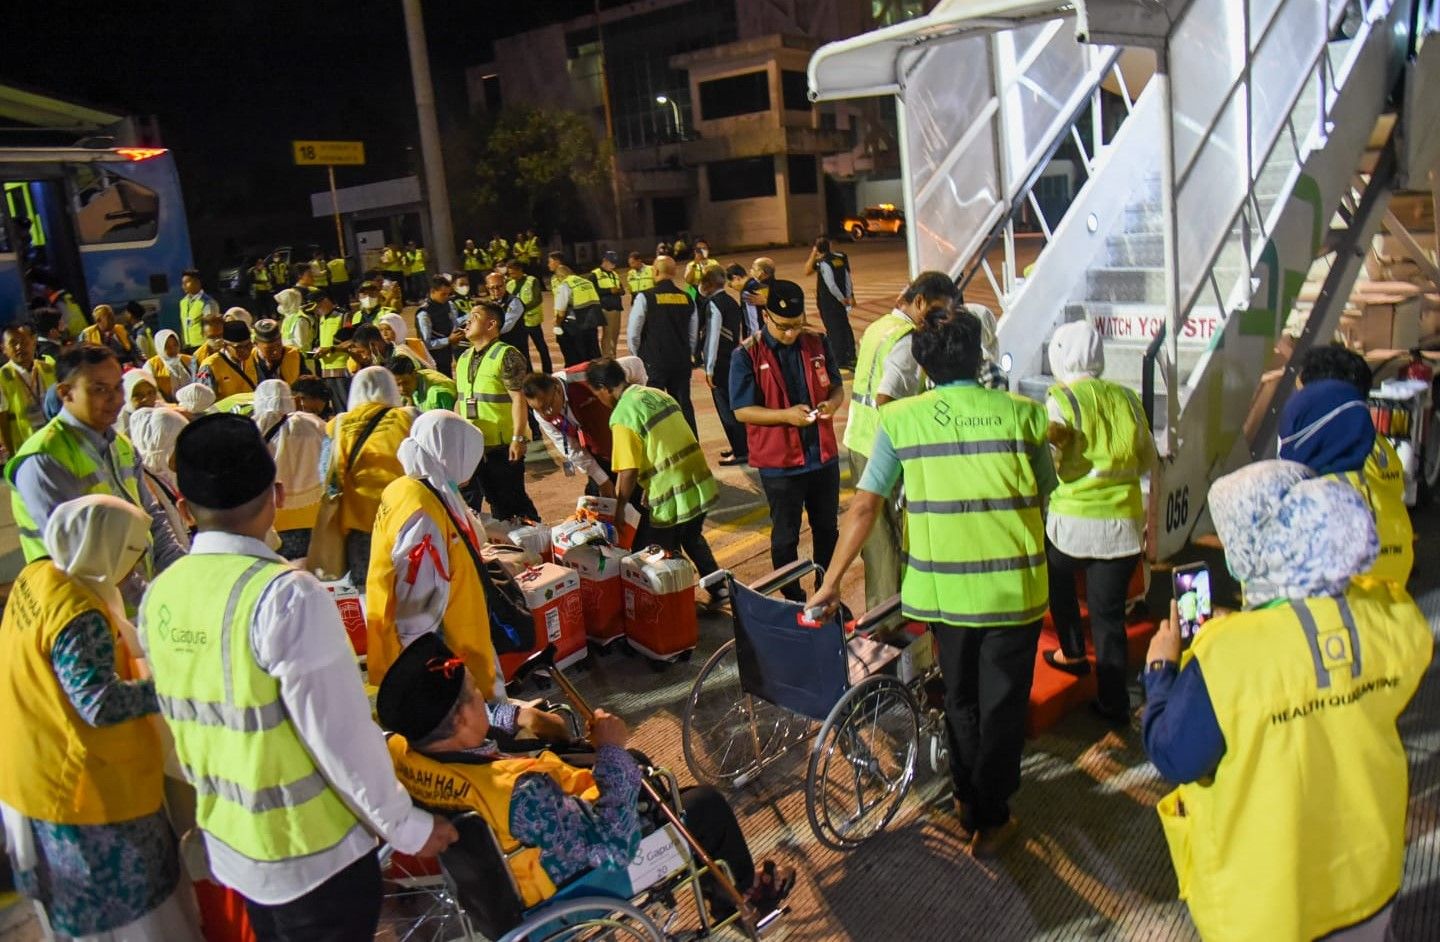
(714, 131)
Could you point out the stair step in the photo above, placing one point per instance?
(1125, 284)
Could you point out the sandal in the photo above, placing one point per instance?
(732, 461)
(771, 887)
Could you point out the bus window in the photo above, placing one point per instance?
(110, 209)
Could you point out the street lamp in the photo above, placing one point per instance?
(675, 109)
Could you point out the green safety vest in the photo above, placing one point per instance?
(260, 278)
(191, 311)
(1100, 479)
(24, 410)
(875, 346)
(61, 442)
(529, 294)
(529, 250)
(321, 274)
(641, 279)
(677, 481)
(329, 327)
(974, 550)
(582, 292)
(291, 321)
(339, 271)
(435, 391)
(257, 788)
(472, 259)
(607, 281)
(415, 262)
(481, 394)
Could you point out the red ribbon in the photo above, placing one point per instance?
(445, 665)
(416, 556)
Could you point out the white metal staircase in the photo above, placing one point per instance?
(1199, 222)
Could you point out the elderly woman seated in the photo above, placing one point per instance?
(570, 818)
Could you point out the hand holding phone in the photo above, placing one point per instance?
(1192, 599)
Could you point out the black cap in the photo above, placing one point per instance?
(236, 332)
(787, 299)
(420, 688)
(221, 462)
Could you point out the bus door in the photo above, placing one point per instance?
(42, 238)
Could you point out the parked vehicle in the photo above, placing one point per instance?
(884, 219)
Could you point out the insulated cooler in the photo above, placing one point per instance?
(660, 617)
(552, 594)
(599, 569)
(605, 509)
(531, 536)
(582, 528)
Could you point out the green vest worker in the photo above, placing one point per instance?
(24, 381)
(639, 276)
(612, 300)
(653, 448)
(1280, 719)
(471, 256)
(422, 388)
(1096, 520)
(488, 381)
(257, 682)
(195, 306)
(886, 370)
(975, 468)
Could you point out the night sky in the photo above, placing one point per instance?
(232, 83)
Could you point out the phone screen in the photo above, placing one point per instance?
(1192, 599)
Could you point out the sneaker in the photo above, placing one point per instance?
(991, 842)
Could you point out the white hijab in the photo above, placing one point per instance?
(296, 447)
(396, 324)
(153, 432)
(241, 315)
(374, 384)
(444, 450)
(273, 401)
(98, 539)
(287, 302)
(196, 399)
(132, 379)
(1076, 352)
(180, 374)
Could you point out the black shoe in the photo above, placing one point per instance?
(1077, 668)
(1120, 718)
(726, 453)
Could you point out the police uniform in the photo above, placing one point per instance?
(578, 329)
(612, 301)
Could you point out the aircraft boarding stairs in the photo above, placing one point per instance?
(1241, 168)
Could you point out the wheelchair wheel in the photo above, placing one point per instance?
(863, 762)
(727, 734)
(587, 918)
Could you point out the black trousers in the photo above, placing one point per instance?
(1107, 582)
(816, 494)
(837, 328)
(987, 674)
(687, 538)
(734, 430)
(339, 387)
(444, 357)
(519, 338)
(537, 338)
(502, 482)
(345, 908)
(710, 819)
(579, 344)
(675, 380)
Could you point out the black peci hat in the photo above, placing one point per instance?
(420, 688)
(221, 462)
(787, 299)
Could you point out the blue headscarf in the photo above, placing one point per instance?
(1327, 427)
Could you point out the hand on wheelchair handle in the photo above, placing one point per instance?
(822, 604)
(442, 835)
(606, 729)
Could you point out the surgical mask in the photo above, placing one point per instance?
(367, 303)
(462, 290)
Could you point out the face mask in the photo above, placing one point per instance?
(462, 290)
(367, 304)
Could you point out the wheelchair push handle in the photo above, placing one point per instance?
(878, 615)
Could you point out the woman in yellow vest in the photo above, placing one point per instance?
(172, 369)
(1280, 719)
(80, 755)
(363, 458)
(296, 441)
(558, 820)
(105, 332)
(1101, 445)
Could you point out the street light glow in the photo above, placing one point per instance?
(661, 100)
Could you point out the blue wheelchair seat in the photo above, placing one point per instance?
(796, 666)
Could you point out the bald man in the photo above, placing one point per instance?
(663, 330)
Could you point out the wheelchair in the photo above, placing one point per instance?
(763, 693)
(475, 894)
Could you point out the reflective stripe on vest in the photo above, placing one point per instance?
(582, 292)
(527, 289)
(1300, 831)
(24, 406)
(677, 481)
(192, 309)
(974, 551)
(875, 346)
(329, 327)
(1099, 469)
(482, 388)
(63, 443)
(258, 790)
(1383, 485)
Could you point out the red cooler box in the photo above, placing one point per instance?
(659, 603)
(605, 508)
(352, 613)
(553, 594)
(599, 569)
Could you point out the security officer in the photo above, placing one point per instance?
(612, 300)
(279, 270)
(331, 356)
(527, 288)
(638, 276)
(512, 329)
(698, 267)
(471, 256)
(488, 381)
(438, 323)
(392, 265)
(664, 327)
(578, 316)
(305, 284)
(416, 265)
(975, 467)
(257, 683)
(339, 271)
(497, 251)
(785, 387)
(723, 335)
(321, 271)
(195, 306)
(653, 449)
(834, 296)
(260, 282)
(886, 370)
(24, 381)
(528, 251)
(460, 296)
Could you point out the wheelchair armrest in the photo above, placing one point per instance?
(784, 576)
(878, 615)
(544, 658)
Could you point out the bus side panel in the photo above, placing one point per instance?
(12, 289)
(146, 270)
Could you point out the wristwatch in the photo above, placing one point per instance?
(1159, 664)
(519, 439)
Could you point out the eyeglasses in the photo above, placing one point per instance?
(786, 328)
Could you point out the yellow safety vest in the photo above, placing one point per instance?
(640, 279)
(257, 788)
(677, 481)
(472, 259)
(227, 381)
(339, 271)
(607, 282)
(415, 262)
(377, 465)
(482, 396)
(582, 292)
(527, 289)
(486, 787)
(24, 406)
(329, 327)
(260, 278)
(465, 625)
(192, 311)
(875, 345)
(56, 767)
(1301, 830)
(1100, 469)
(391, 260)
(1383, 485)
(321, 274)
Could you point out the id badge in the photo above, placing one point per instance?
(472, 411)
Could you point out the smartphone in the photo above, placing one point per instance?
(1192, 598)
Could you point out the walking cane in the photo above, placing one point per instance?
(545, 660)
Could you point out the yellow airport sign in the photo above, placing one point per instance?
(329, 153)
